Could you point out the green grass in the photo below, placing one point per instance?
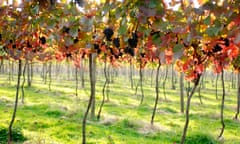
(56, 116)
(17, 135)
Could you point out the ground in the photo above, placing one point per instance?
(56, 116)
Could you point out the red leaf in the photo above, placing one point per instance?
(199, 68)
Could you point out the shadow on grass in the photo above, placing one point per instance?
(17, 135)
(200, 138)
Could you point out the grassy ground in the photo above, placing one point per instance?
(55, 117)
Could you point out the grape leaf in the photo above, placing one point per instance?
(35, 10)
(212, 31)
(152, 4)
(207, 21)
(177, 48)
(156, 39)
(122, 30)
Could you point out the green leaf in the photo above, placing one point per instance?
(152, 4)
(122, 30)
(177, 48)
(51, 24)
(156, 39)
(213, 31)
(35, 10)
(106, 8)
(164, 26)
(147, 32)
(207, 21)
(118, 12)
(1, 51)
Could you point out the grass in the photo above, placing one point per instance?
(17, 135)
(55, 116)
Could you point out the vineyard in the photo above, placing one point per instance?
(119, 71)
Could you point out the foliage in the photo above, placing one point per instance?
(129, 31)
(140, 31)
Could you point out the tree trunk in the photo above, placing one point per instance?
(182, 92)
(222, 105)
(187, 109)
(157, 92)
(16, 103)
(238, 96)
(23, 82)
(92, 95)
